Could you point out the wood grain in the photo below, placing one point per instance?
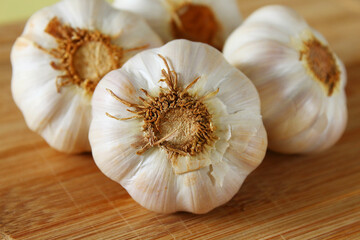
(49, 195)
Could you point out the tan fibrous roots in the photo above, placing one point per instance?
(84, 56)
(322, 64)
(174, 120)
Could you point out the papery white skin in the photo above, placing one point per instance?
(151, 179)
(63, 119)
(298, 114)
(159, 14)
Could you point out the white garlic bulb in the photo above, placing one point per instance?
(64, 51)
(300, 80)
(178, 127)
(207, 21)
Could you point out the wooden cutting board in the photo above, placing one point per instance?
(45, 194)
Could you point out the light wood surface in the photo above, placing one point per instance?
(45, 194)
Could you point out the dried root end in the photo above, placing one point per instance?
(322, 64)
(174, 120)
(195, 22)
(84, 56)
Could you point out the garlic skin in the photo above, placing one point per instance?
(46, 66)
(154, 174)
(207, 21)
(301, 82)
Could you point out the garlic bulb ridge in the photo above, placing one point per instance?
(171, 129)
(207, 21)
(59, 59)
(301, 81)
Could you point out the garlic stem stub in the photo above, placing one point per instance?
(206, 21)
(178, 127)
(301, 81)
(62, 54)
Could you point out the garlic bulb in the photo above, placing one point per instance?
(300, 80)
(177, 127)
(64, 51)
(207, 21)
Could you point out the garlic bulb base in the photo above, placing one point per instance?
(206, 21)
(84, 56)
(321, 64)
(174, 120)
(204, 29)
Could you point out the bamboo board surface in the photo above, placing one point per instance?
(45, 194)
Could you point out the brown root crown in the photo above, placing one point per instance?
(82, 55)
(174, 120)
(322, 64)
(195, 22)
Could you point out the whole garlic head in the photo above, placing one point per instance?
(178, 127)
(64, 51)
(207, 21)
(300, 80)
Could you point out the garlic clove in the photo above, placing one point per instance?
(302, 113)
(59, 58)
(153, 163)
(207, 21)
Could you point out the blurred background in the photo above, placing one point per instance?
(17, 10)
